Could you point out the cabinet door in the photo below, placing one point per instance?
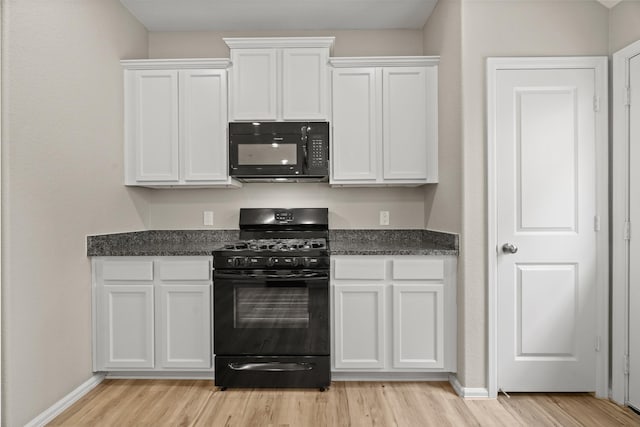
(184, 315)
(359, 326)
(418, 326)
(405, 123)
(155, 110)
(356, 127)
(253, 84)
(304, 84)
(126, 314)
(203, 125)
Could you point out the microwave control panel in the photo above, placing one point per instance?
(318, 149)
(317, 154)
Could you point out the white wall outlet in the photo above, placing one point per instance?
(384, 217)
(207, 217)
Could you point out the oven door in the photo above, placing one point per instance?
(266, 155)
(275, 312)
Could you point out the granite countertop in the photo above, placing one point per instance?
(392, 242)
(159, 243)
(203, 242)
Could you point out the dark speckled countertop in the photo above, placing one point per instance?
(203, 242)
(159, 242)
(392, 242)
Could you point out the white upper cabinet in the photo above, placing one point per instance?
(203, 119)
(385, 121)
(305, 84)
(279, 78)
(253, 84)
(155, 125)
(355, 148)
(176, 123)
(405, 123)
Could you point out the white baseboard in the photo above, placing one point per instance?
(161, 375)
(468, 392)
(389, 376)
(62, 404)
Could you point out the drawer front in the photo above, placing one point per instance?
(127, 270)
(185, 270)
(418, 269)
(365, 269)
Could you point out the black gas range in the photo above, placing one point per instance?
(271, 301)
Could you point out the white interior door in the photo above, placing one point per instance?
(545, 146)
(634, 243)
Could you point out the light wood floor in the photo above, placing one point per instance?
(197, 403)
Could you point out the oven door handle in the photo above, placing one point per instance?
(308, 276)
(271, 366)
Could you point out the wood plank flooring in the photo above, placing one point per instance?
(197, 403)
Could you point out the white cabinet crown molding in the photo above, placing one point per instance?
(384, 61)
(175, 64)
(278, 42)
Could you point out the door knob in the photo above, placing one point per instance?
(509, 248)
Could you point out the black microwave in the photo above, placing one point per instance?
(279, 151)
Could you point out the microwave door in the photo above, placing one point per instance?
(266, 155)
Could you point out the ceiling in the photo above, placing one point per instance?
(247, 15)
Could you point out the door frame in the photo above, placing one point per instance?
(620, 217)
(599, 65)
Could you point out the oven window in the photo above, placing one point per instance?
(281, 307)
(267, 154)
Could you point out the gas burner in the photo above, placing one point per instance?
(277, 245)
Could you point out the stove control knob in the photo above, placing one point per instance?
(239, 262)
(288, 261)
(271, 261)
(310, 262)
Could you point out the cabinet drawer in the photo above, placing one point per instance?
(185, 270)
(359, 269)
(415, 269)
(127, 270)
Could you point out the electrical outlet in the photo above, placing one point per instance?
(207, 217)
(384, 217)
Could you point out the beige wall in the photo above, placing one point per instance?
(209, 44)
(62, 179)
(443, 37)
(624, 24)
(349, 207)
(443, 202)
(499, 28)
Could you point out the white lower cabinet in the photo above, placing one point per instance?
(126, 312)
(184, 318)
(394, 313)
(152, 314)
(359, 326)
(418, 325)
